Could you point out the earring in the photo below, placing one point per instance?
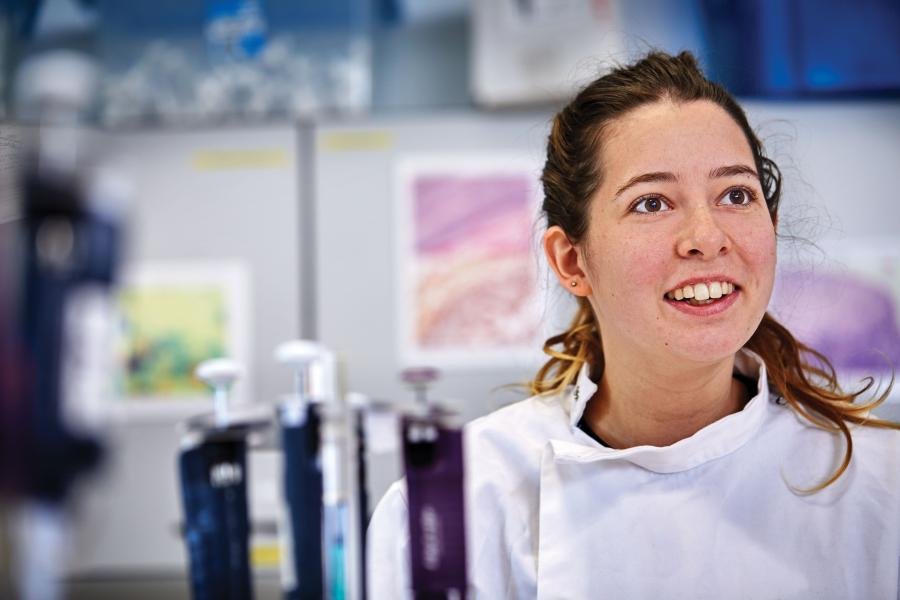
(574, 283)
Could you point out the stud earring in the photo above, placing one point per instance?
(574, 283)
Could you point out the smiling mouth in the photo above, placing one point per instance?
(700, 294)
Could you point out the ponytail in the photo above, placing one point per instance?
(580, 344)
(806, 380)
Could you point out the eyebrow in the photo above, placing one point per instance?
(647, 178)
(717, 173)
(732, 170)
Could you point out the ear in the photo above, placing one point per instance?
(562, 256)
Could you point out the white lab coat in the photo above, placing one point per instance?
(552, 514)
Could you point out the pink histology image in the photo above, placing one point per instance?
(475, 281)
(850, 317)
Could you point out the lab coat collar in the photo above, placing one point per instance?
(713, 441)
(576, 399)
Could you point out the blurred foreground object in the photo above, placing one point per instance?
(57, 269)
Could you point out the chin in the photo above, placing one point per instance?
(711, 342)
(712, 348)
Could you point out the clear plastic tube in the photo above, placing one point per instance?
(335, 505)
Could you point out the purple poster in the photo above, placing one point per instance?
(467, 261)
(847, 306)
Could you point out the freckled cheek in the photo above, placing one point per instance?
(629, 271)
(761, 256)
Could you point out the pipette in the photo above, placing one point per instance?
(213, 471)
(302, 561)
(433, 460)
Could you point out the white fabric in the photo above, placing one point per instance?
(552, 514)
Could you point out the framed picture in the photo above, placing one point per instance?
(173, 316)
(467, 270)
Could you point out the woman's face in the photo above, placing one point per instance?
(680, 206)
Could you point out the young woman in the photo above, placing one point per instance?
(680, 443)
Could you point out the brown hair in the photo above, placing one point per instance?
(801, 375)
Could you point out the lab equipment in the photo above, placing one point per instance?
(343, 465)
(262, 60)
(324, 479)
(433, 461)
(213, 472)
(299, 420)
(365, 410)
(59, 263)
(70, 248)
(335, 501)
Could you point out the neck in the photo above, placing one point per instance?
(656, 403)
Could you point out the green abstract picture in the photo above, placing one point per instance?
(168, 330)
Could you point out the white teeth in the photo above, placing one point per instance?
(701, 292)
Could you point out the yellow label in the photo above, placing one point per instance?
(353, 141)
(221, 160)
(265, 555)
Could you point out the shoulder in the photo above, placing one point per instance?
(882, 442)
(524, 424)
(387, 541)
(390, 514)
(878, 450)
(504, 448)
(812, 451)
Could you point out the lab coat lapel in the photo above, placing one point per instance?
(568, 499)
(580, 499)
(551, 569)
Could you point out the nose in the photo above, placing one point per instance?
(702, 236)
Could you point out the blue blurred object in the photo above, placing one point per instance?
(217, 524)
(55, 455)
(303, 491)
(235, 29)
(68, 244)
(786, 48)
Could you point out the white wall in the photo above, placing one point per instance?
(251, 214)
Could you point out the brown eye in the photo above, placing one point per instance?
(739, 197)
(650, 204)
